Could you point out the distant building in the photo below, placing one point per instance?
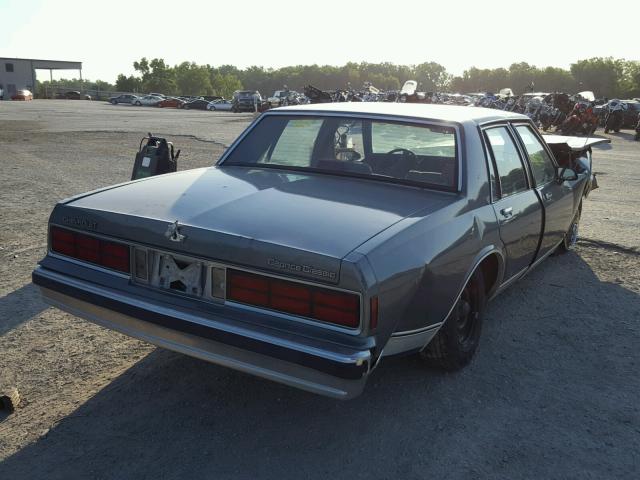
(20, 73)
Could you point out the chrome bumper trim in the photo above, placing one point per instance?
(411, 341)
(247, 361)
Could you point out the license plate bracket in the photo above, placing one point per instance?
(180, 275)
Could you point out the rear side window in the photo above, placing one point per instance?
(422, 141)
(507, 161)
(542, 167)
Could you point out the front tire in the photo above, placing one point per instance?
(456, 342)
(571, 236)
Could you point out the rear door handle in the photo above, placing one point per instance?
(507, 212)
(548, 195)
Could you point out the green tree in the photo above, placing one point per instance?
(157, 76)
(192, 79)
(225, 85)
(128, 84)
(432, 76)
(602, 75)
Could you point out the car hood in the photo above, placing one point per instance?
(241, 214)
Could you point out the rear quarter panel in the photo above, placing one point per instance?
(423, 262)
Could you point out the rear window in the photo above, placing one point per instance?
(384, 150)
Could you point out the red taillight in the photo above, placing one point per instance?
(296, 298)
(90, 249)
(114, 255)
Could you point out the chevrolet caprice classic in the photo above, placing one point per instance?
(326, 238)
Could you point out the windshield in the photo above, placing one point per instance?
(394, 151)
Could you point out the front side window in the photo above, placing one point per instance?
(384, 150)
(542, 167)
(507, 161)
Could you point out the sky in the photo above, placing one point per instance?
(457, 34)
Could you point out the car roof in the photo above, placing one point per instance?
(448, 113)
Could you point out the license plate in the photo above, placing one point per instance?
(180, 275)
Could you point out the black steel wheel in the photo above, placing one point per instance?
(457, 340)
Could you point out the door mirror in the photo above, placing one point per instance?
(566, 174)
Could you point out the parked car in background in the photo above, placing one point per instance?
(73, 95)
(198, 104)
(124, 98)
(327, 238)
(276, 99)
(22, 95)
(148, 100)
(211, 98)
(246, 100)
(631, 114)
(221, 104)
(188, 98)
(172, 102)
(161, 95)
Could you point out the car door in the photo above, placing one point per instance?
(557, 198)
(515, 202)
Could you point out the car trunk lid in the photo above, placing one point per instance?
(276, 220)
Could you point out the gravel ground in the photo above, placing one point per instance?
(552, 393)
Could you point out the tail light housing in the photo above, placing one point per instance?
(91, 249)
(318, 303)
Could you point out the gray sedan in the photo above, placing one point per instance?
(220, 105)
(325, 239)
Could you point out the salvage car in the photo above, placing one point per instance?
(197, 104)
(246, 101)
(124, 98)
(73, 95)
(22, 95)
(326, 238)
(147, 100)
(220, 104)
(171, 102)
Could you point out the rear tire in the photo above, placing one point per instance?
(456, 342)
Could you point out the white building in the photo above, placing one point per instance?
(20, 73)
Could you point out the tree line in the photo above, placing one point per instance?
(606, 77)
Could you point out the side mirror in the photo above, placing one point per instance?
(567, 175)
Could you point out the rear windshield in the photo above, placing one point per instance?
(400, 152)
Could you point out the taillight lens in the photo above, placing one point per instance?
(319, 303)
(90, 249)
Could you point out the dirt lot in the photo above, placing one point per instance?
(552, 393)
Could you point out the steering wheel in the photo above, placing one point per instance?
(404, 151)
(401, 167)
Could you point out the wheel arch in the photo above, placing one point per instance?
(491, 262)
(492, 267)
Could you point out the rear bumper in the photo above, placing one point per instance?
(337, 373)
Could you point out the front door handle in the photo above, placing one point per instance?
(548, 195)
(507, 212)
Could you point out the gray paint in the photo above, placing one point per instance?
(414, 248)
